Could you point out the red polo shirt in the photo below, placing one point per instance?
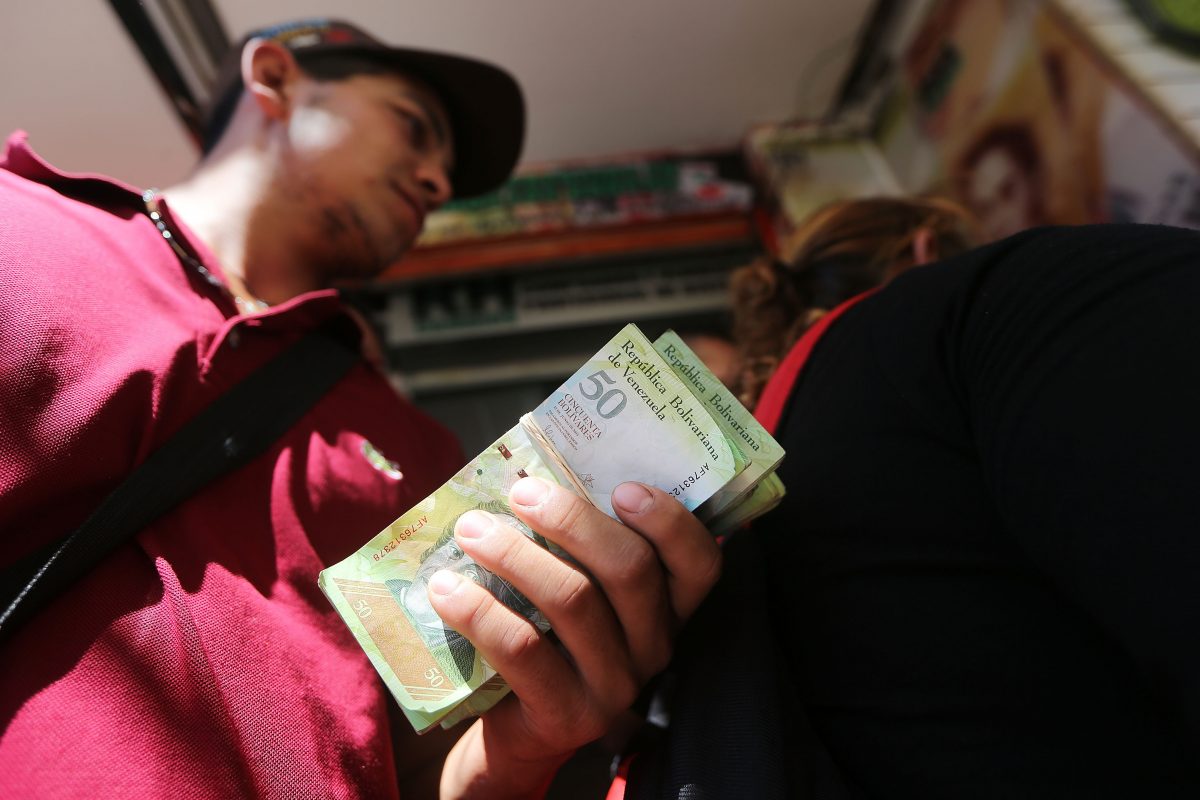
(200, 660)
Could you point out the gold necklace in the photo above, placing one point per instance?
(245, 305)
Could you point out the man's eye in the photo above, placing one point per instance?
(415, 127)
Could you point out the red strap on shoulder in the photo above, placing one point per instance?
(775, 394)
(616, 790)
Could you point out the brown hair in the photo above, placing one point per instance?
(841, 250)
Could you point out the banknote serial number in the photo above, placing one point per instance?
(402, 536)
(689, 481)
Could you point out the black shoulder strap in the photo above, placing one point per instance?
(238, 426)
(735, 727)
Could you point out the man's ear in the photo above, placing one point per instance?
(269, 71)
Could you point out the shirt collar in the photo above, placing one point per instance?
(20, 159)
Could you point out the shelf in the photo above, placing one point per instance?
(513, 316)
(527, 250)
(478, 376)
(563, 318)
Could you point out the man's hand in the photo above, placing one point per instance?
(615, 622)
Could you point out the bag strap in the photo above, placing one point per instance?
(736, 727)
(773, 400)
(235, 428)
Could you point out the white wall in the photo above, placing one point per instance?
(601, 77)
(73, 79)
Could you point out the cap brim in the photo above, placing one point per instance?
(487, 115)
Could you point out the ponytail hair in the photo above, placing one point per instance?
(840, 251)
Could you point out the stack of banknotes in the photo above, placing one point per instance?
(637, 411)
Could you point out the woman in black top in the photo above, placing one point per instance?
(984, 581)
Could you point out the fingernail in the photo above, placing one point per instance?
(632, 497)
(529, 491)
(474, 524)
(444, 582)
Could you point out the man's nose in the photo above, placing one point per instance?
(435, 182)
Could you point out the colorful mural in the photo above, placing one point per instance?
(1007, 107)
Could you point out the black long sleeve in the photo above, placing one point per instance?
(987, 568)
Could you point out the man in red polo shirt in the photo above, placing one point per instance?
(200, 659)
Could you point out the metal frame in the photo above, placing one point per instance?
(182, 42)
(869, 61)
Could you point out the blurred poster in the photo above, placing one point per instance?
(1005, 107)
(799, 167)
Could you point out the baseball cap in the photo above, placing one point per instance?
(483, 101)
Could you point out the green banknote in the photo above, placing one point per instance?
(765, 496)
(381, 590)
(627, 414)
(739, 425)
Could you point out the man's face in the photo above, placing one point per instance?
(364, 160)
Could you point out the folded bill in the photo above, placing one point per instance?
(632, 412)
(761, 499)
(735, 420)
